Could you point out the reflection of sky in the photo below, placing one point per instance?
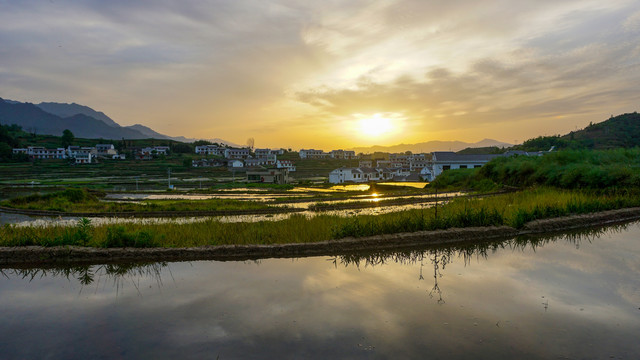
(559, 300)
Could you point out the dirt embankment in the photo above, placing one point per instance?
(48, 255)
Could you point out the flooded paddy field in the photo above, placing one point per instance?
(341, 203)
(566, 296)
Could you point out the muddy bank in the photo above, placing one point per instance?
(43, 255)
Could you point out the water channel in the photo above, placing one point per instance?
(572, 296)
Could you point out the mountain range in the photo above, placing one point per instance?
(53, 118)
(431, 146)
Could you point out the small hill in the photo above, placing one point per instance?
(619, 131)
(622, 131)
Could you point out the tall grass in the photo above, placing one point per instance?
(513, 209)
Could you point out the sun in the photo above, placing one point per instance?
(375, 126)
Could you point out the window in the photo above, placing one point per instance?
(476, 166)
(463, 166)
(446, 167)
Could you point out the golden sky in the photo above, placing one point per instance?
(329, 74)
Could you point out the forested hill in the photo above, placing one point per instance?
(622, 131)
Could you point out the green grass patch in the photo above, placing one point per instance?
(513, 209)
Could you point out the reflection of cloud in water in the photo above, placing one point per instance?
(313, 307)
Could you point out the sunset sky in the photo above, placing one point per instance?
(329, 74)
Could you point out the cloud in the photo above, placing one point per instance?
(222, 69)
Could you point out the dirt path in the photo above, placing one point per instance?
(35, 255)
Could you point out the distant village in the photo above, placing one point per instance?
(263, 165)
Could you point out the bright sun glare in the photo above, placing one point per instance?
(375, 126)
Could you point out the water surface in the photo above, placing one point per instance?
(566, 297)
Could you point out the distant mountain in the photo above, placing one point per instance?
(67, 110)
(156, 135)
(52, 118)
(431, 146)
(34, 119)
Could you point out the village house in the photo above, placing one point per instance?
(83, 158)
(418, 164)
(446, 160)
(161, 150)
(41, 153)
(268, 176)
(74, 151)
(210, 150)
(235, 164)
(236, 153)
(365, 163)
(269, 160)
(342, 154)
(361, 175)
(286, 164)
(399, 160)
(263, 153)
(312, 154)
(105, 150)
(342, 175)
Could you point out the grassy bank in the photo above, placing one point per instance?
(514, 209)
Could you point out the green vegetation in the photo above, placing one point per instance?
(622, 131)
(514, 209)
(568, 169)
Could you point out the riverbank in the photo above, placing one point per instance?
(75, 254)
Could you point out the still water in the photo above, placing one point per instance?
(566, 297)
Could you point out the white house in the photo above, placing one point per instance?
(74, 151)
(342, 175)
(236, 153)
(365, 174)
(286, 164)
(84, 158)
(235, 164)
(418, 164)
(164, 150)
(106, 150)
(39, 152)
(210, 150)
(269, 160)
(447, 160)
(260, 153)
(312, 154)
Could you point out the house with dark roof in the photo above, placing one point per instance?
(447, 160)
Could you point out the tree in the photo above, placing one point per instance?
(251, 142)
(182, 148)
(67, 138)
(5, 152)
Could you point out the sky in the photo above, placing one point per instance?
(329, 74)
